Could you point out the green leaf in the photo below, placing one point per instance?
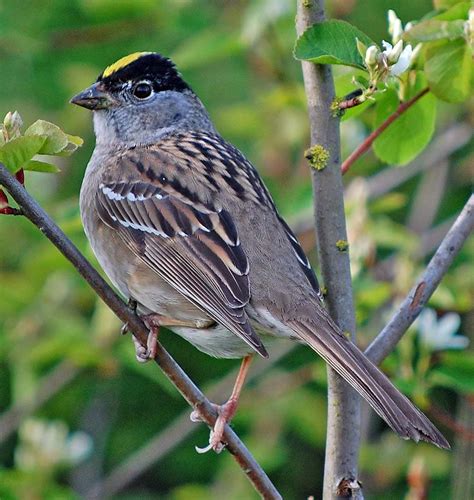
(332, 42)
(41, 166)
(428, 31)
(56, 139)
(448, 68)
(75, 139)
(458, 11)
(14, 154)
(410, 133)
(446, 4)
(461, 379)
(74, 142)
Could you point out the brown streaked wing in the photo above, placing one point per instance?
(191, 246)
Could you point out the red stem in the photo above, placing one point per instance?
(355, 155)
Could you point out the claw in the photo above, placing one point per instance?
(214, 444)
(225, 412)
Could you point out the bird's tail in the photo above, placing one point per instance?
(323, 336)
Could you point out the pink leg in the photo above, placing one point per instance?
(226, 411)
(143, 355)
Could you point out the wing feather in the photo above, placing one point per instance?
(192, 246)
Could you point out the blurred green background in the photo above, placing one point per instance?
(77, 411)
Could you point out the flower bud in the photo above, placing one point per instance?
(395, 27)
(372, 56)
(394, 54)
(12, 124)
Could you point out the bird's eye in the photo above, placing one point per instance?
(142, 90)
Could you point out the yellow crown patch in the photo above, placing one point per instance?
(121, 63)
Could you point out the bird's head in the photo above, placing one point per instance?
(141, 98)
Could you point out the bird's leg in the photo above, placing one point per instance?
(132, 304)
(142, 354)
(226, 411)
(153, 322)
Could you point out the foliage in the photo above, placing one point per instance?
(237, 57)
(441, 60)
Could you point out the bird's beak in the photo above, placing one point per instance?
(94, 97)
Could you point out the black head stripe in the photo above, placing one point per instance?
(159, 70)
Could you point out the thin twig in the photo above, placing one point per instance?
(342, 443)
(411, 307)
(355, 155)
(172, 370)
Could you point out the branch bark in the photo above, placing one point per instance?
(167, 439)
(342, 444)
(411, 307)
(190, 392)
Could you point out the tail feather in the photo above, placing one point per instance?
(345, 358)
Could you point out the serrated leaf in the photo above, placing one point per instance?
(410, 133)
(428, 31)
(41, 166)
(14, 154)
(332, 42)
(448, 68)
(56, 139)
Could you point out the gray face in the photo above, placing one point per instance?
(135, 114)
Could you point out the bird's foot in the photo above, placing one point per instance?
(216, 436)
(144, 354)
(225, 412)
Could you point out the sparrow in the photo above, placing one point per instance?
(185, 229)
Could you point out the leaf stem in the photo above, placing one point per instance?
(367, 143)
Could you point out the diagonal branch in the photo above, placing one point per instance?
(176, 432)
(419, 295)
(343, 429)
(368, 141)
(172, 370)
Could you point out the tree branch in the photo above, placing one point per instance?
(342, 444)
(172, 370)
(176, 432)
(357, 153)
(411, 307)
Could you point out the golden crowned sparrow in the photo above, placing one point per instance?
(182, 224)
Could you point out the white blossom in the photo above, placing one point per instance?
(403, 62)
(395, 27)
(440, 334)
(49, 444)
